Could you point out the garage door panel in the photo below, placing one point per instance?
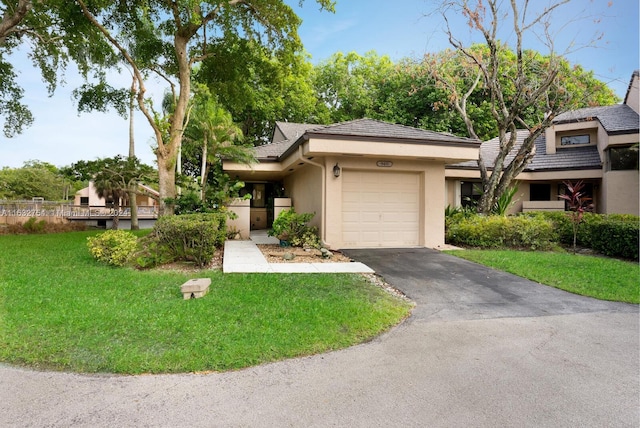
(380, 209)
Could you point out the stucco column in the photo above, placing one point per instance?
(333, 205)
(433, 199)
(241, 207)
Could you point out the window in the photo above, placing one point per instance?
(623, 158)
(540, 192)
(470, 193)
(573, 140)
(84, 200)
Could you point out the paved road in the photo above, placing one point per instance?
(482, 349)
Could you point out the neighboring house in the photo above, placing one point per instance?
(598, 145)
(88, 196)
(370, 183)
(96, 211)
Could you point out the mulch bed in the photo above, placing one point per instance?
(275, 254)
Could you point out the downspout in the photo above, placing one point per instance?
(323, 225)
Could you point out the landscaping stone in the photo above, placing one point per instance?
(195, 288)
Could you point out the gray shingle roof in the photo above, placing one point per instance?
(272, 150)
(293, 131)
(616, 119)
(355, 129)
(564, 159)
(378, 129)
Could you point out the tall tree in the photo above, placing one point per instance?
(171, 37)
(515, 81)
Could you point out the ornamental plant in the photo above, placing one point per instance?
(294, 227)
(114, 247)
(578, 203)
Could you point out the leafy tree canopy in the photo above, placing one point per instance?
(36, 179)
(52, 33)
(407, 92)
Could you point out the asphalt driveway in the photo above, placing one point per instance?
(482, 349)
(450, 288)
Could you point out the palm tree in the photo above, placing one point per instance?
(212, 127)
(115, 177)
(112, 190)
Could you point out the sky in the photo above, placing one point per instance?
(400, 28)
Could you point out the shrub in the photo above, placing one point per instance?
(19, 228)
(615, 235)
(114, 247)
(191, 237)
(454, 215)
(151, 253)
(499, 231)
(308, 239)
(293, 227)
(616, 238)
(34, 226)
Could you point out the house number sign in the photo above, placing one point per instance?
(384, 164)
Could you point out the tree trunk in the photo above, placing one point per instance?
(116, 214)
(166, 183)
(133, 205)
(133, 200)
(167, 156)
(203, 169)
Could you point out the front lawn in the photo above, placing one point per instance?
(60, 309)
(599, 277)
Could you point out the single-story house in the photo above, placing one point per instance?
(370, 183)
(598, 145)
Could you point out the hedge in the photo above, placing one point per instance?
(498, 231)
(614, 235)
(192, 237)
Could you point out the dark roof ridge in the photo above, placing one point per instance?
(626, 95)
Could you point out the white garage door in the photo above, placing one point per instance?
(380, 209)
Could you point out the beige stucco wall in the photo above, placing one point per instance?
(304, 187)
(433, 193)
(242, 223)
(620, 193)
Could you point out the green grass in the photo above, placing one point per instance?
(60, 309)
(599, 277)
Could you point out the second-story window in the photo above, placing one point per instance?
(622, 158)
(574, 140)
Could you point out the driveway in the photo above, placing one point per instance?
(482, 349)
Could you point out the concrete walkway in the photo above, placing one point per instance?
(245, 257)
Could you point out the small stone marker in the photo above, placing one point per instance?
(195, 288)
